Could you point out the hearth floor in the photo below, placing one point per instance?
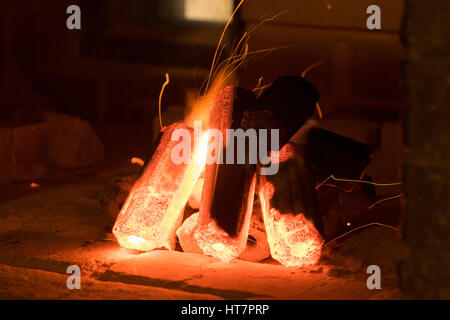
(44, 232)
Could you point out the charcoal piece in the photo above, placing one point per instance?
(186, 234)
(228, 189)
(289, 209)
(328, 153)
(257, 248)
(294, 186)
(154, 208)
(264, 120)
(230, 200)
(243, 100)
(292, 100)
(344, 206)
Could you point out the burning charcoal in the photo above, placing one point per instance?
(292, 100)
(289, 209)
(186, 232)
(195, 198)
(257, 248)
(224, 236)
(154, 208)
(228, 190)
(329, 153)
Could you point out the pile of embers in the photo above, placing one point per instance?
(262, 196)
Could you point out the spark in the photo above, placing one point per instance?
(359, 181)
(361, 227)
(303, 75)
(160, 98)
(138, 161)
(386, 199)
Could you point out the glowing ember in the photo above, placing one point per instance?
(216, 242)
(293, 239)
(138, 161)
(34, 185)
(154, 207)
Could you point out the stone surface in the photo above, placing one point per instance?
(71, 210)
(43, 233)
(113, 196)
(186, 232)
(108, 271)
(72, 142)
(21, 283)
(60, 142)
(426, 273)
(23, 152)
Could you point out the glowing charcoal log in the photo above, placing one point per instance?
(290, 217)
(228, 189)
(225, 234)
(186, 232)
(154, 208)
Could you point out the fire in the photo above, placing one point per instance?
(198, 106)
(215, 242)
(153, 210)
(293, 240)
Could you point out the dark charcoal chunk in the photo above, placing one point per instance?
(331, 154)
(226, 187)
(231, 195)
(294, 189)
(292, 100)
(244, 99)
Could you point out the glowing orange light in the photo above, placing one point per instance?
(34, 185)
(292, 238)
(138, 161)
(215, 242)
(153, 210)
(348, 224)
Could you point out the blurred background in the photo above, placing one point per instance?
(110, 72)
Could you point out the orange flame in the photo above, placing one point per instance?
(198, 106)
